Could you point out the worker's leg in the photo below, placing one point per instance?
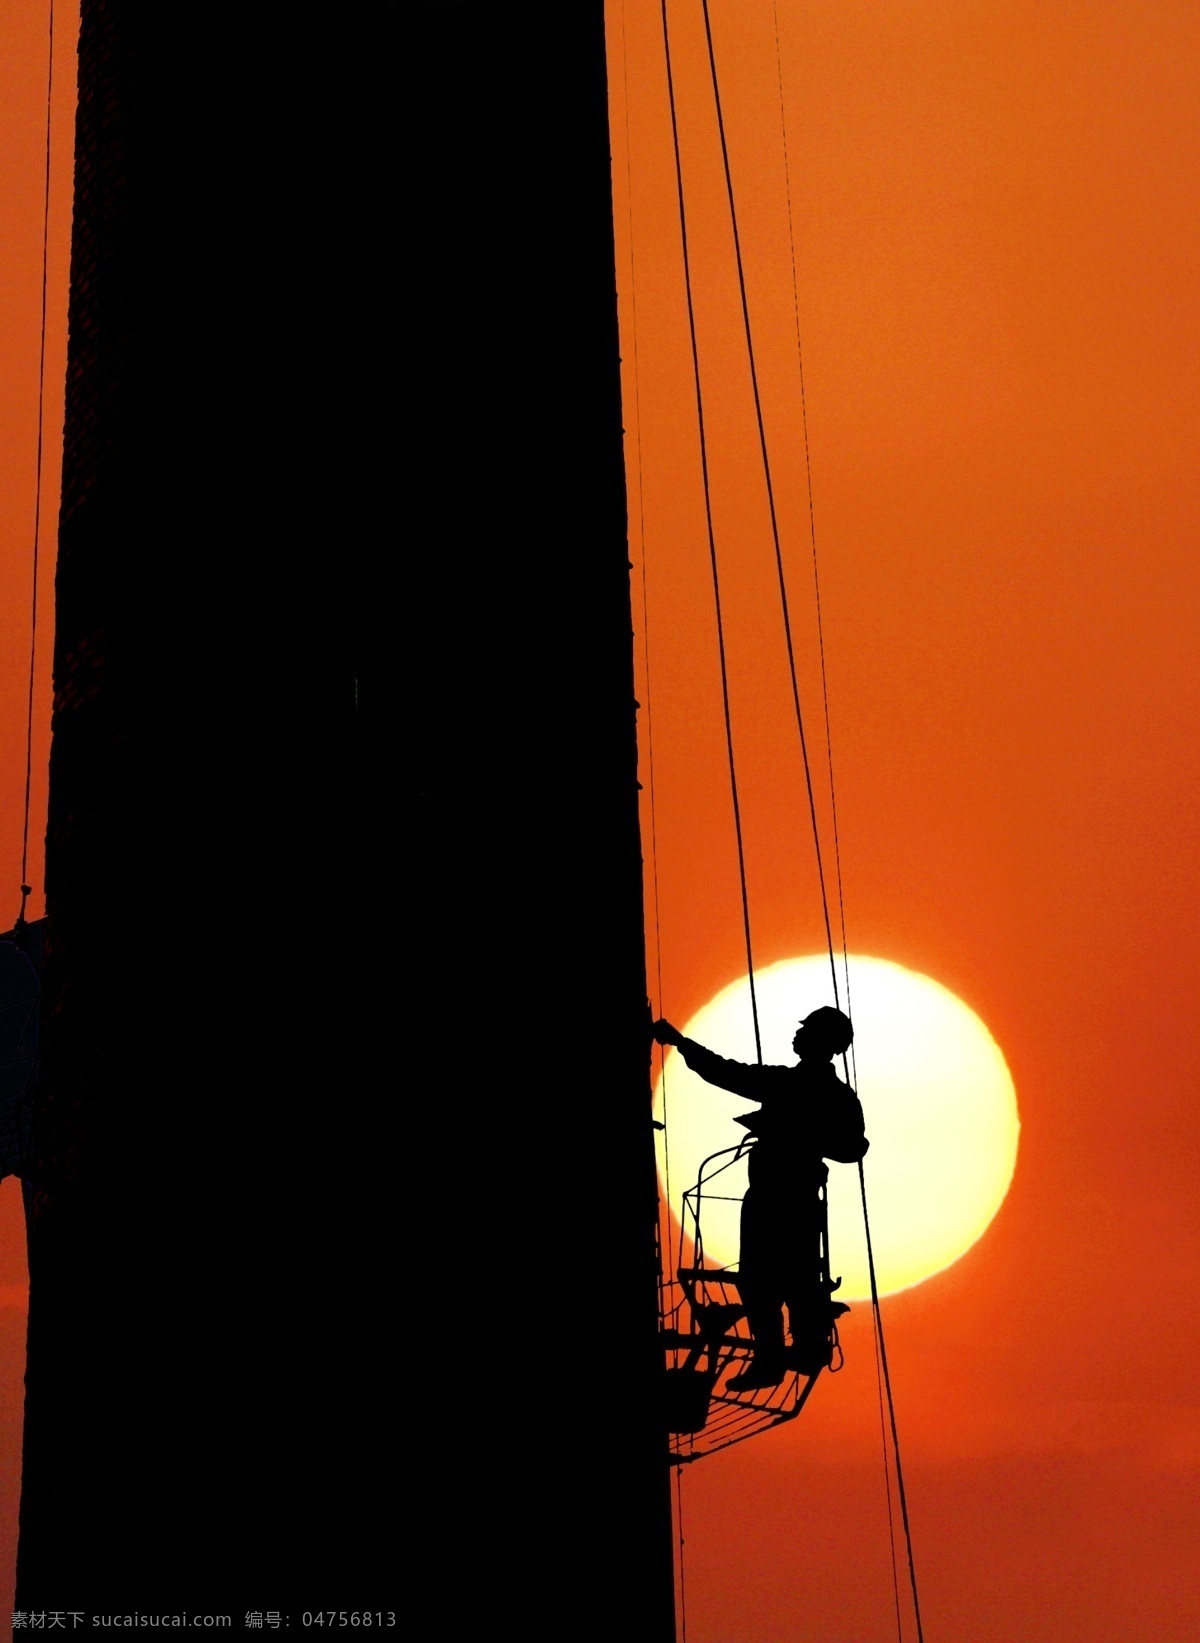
(764, 1314)
(809, 1314)
(809, 1325)
(761, 1293)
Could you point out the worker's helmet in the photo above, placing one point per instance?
(829, 1027)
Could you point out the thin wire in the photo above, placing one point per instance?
(887, 1479)
(662, 1069)
(712, 541)
(37, 505)
(641, 496)
(849, 1066)
(682, 1583)
(887, 1381)
(770, 486)
(812, 522)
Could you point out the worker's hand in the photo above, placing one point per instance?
(666, 1034)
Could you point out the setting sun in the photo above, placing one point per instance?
(940, 1108)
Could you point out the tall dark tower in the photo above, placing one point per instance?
(344, 1124)
(207, 1207)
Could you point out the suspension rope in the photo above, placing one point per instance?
(770, 487)
(712, 541)
(641, 514)
(671, 1263)
(887, 1381)
(881, 1345)
(849, 1067)
(812, 516)
(887, 1480)
(26, 889)
(682, 1583)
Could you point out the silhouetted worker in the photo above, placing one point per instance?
(807, 1115)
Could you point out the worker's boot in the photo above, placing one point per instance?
(810, 1354)
(761, 1371)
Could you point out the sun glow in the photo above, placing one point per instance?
(940, 1107)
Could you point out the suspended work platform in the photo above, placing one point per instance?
(708, 1343)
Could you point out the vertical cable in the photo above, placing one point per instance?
(887, 1381)
(812, 518)
(887, 1480)
(712, 541)
(785, 607)
(882, 1368)
(26, 889)
(849, 1067)
(682, 1583)
(667, 1268)
(641, 496)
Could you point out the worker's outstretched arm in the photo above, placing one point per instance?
(735, 1076)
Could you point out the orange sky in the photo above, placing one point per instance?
(23, 83)
(997, 248)
(995, 209)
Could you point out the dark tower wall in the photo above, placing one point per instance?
(208, 1338)
(345, 1121)
(520, 747)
